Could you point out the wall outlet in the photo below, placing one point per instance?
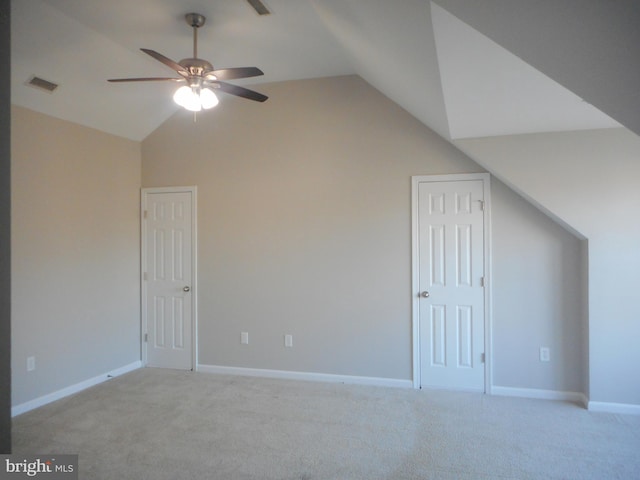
(545, 355)
(244, 338)
(288, 340)
(31, 364)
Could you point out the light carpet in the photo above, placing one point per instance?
(162, 424)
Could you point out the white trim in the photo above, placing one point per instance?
(427, 388)
(193, 190)
(488, 295)
(415, 278)
(609, 407)
(70, 390)
(540, 394)
(306, 376)
(415, 282)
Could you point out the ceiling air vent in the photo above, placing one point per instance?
(42, 84)
(259, 7)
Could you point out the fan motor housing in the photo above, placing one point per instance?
(196, 66)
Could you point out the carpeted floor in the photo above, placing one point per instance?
(162, 424)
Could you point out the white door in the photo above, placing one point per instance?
(168, 230)
(449, 287)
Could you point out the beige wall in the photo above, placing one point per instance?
(538, 271)
(304, 228)
(75, 253)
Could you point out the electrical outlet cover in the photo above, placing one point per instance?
(545, 355)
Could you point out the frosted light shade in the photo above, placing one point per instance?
(187, 98)
(181, 97)
(208, 99)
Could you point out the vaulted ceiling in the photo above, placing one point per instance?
(430, 58)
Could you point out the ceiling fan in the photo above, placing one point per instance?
(200, 77)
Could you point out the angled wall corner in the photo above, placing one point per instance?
(591, 49)
(588, 182)
(489, 91)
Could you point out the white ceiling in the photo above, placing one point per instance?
(446, 74)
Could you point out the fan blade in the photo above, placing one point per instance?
(235, 73)
(146, 79)
(241, 92)
(167, 61)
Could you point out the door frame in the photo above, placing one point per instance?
(144, 192)
(415, 273)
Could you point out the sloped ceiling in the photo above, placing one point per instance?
(489, 91)
(591, 47)
(448, 75)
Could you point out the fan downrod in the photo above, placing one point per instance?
(195, 19)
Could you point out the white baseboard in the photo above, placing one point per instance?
(70, 390)
(609, 407)
(307, 376)
(540, 394)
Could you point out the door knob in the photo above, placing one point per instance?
(424, 294)
(187, 289)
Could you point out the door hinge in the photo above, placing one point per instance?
(482, 358)
(481, 281)
(481, 202)
(144, 214)
(146, 337)
(145, 276)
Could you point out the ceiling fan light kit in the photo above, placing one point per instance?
(200, 77)
(194, 99)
